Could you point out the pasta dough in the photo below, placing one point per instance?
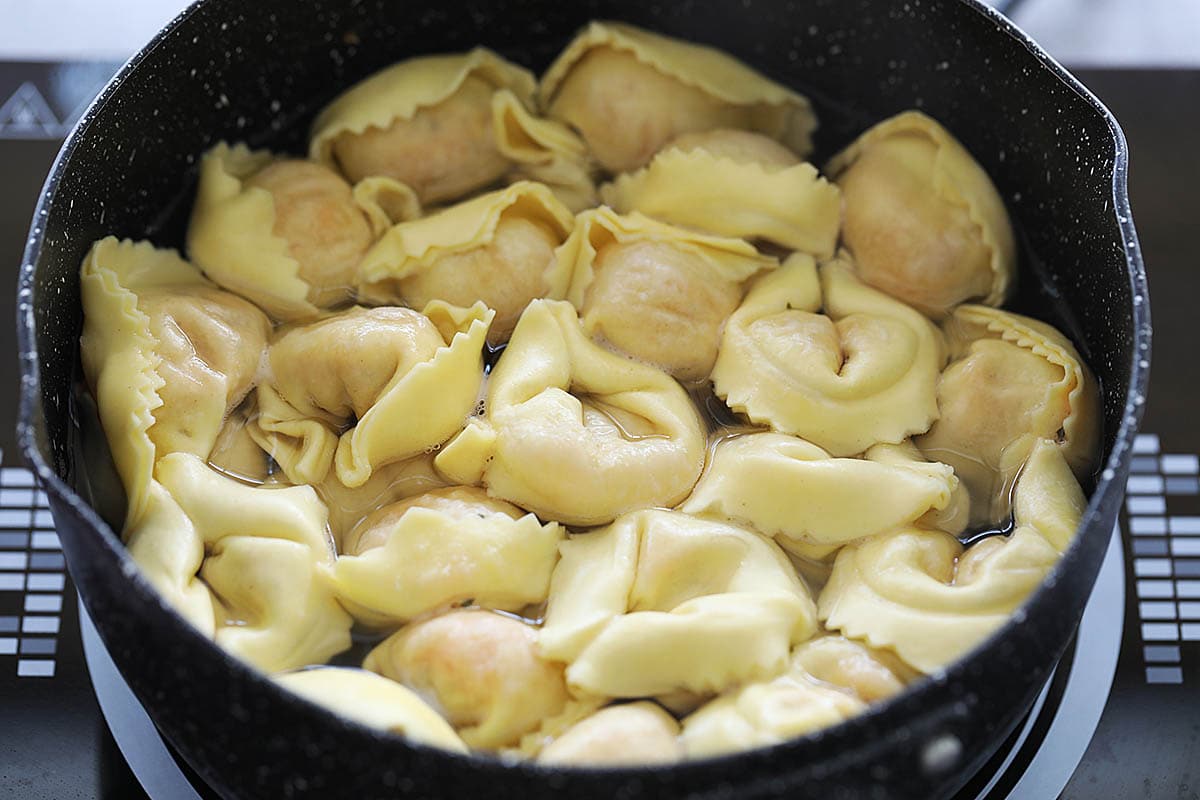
(923, 220)
(266, 546)
(871, 675)
(863, 372)
(286, 234)
(447, 125)
(630, 91)
(189, 350)
(127, 367)
(742, 147)
(497, 248)
(399, 480)
(210, 343)
(829, 679)
(575, 433)
(1013, 381)
(369, 387)
(656, 292)
(764, 714)
(660, 601)
(444, 547)
(634, 733)
(919, 593)
(792, 206)
(480, 670)
(376, 702)
(793, 490)
(400, 369)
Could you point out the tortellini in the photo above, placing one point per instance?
(575, 433)
(869, 674)
(763, 714)
(480, 669)
(284, 233)
(920, 594)
(498, 248)
(640, 284)
(786, 487)
(573, 473)
(922, 219)
(734, 195)
(267, 547)
(399, 480)
(660, 601)
(210, 343)
(1013, 381)
(829, 679)
(632, 733)
(742, 147)
(443, 547)
(629, 92)
(447, 125)
(130, 368)
(863, 372)
(196, 347)
(373, 701)
(166, 547)
(368, 387)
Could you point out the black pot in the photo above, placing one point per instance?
(258, 71)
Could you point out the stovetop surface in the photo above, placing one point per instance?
(55, 743)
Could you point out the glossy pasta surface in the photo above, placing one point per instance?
(578, 418)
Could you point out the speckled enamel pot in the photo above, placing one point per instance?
(258, 71)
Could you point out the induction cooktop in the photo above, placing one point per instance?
(1118, 718)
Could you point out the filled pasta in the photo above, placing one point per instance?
(498, 248)
(818, 354)
(785, 487)
(444, 547)
(629, 91)
(660, 601)
(197, 347)
(575, 433)
(741, 147)
(868, 673)
(562, 480)
(129, 368)
(763, 714)
(369, 387)
(919, 593)
(284, 233)
(376, 702)
(480, 669)
(828, 679)
(1012, 382)
(922, 219)
(399, 480)
(266, 548)
(656, 292)
(447, 125)
(626, 734)
(733, 195)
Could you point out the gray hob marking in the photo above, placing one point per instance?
(27, 115)
(32, 568)
(1164, 548)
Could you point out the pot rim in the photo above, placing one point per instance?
(888, 715)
